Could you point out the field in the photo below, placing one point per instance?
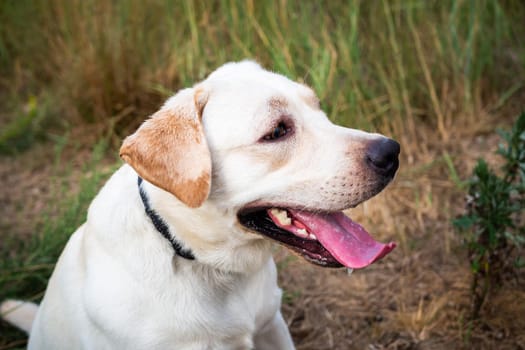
(438, 76)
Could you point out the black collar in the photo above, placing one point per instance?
(161, 226)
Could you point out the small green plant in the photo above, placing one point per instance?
(494, 227)
(20, 133)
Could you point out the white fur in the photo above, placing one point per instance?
(19, 312)
(117, 284)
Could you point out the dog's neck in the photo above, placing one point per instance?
(210, 232)
(161, 226)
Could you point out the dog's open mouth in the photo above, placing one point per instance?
(326, 239)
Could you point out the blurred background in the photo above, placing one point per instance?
(438, 76)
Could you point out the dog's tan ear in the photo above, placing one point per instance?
(170, 149)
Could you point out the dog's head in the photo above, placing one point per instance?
(253, 150)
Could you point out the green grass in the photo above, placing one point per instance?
(374, 64)
(27, 125)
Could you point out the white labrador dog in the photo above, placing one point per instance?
(176, 249)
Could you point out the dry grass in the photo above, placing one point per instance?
(379, 64)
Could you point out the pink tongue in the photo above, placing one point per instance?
(347, 241)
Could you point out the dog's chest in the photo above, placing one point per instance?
(226, 310)
(198, 311)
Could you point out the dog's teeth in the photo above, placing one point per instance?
(349, 271)
(302, 233)
(281, 216)
(312, 236)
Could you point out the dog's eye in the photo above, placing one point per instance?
(279, 131)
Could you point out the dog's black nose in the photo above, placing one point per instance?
(382, 156)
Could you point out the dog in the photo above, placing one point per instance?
(176, 249)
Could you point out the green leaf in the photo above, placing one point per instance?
(464, 222)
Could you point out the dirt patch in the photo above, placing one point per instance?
(33, 180)
(24, 196)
